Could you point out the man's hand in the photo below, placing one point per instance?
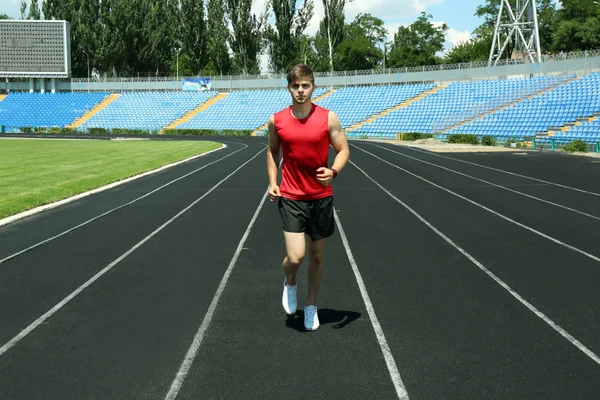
(324, 176)
(274, 193)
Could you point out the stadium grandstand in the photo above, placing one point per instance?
(556, 100)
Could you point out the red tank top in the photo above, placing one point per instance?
(305, 145)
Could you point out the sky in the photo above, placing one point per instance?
(457, 14)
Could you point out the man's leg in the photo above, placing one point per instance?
(295, 247)
(316, 252)
(293, 222)
(321, 227)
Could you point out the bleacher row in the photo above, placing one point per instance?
(567, 108)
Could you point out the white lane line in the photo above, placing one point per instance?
(493, 184)
(508, 172)
(385, 349)
(80, 289)
(114, 209)
(197, 342)
(532, 308)
(568, 246)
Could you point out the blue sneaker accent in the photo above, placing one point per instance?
(311, 318)
(288, 299)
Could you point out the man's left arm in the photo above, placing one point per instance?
(338, 140)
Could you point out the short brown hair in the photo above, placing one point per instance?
(299, 71)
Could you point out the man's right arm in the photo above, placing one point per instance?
(273, 159)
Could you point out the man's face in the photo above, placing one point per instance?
(301, 90)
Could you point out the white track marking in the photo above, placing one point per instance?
(113, 210)
(508, 172)
(493, 184)
(197, 342)
(385, 349)
(593, 257)
(80, 289)
(532, 308)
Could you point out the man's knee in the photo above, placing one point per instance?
(295, 248)
(295, 260)
(316, 258)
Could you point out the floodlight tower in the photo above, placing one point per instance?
(521, 29)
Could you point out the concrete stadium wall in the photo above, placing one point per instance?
(545, 68)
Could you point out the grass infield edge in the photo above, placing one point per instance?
(36, 210)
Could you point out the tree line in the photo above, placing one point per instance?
(125, 38)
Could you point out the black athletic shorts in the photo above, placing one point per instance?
(313, 217)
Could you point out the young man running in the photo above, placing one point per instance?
(304, 131)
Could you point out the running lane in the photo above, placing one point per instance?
(566, 169)
(117, 338)
(568, 226)
(253, 350)
(28, 231)
(454, 332)
(581, 174)
(559, 281)
(35, 281)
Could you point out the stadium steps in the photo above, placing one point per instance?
(569, 125)
(90, 113)
(3, 96)
(326, 94)
(316, 99)
(388, 110)
(191, 114)
(522, 99)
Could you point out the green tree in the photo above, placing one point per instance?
(418, 43)
(218, 54)
(193, 34)
(34, 10)
(4, 16)
(284, 38)
(23, 9)
(360, 49)
(161, 44)
(546, 23)
(331, 30)
(472, 50)
(578, 26)
(246, 39)
(307, 53)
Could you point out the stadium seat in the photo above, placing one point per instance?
(148, 111)
(555, 108)
(454, 104)
(45, 110)
(243, 109)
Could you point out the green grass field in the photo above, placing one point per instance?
(37, 172)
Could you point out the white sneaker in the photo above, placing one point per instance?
(311, 318)
(288, 300)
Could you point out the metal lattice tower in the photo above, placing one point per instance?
(521, 29)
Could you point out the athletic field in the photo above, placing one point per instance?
(450, 276)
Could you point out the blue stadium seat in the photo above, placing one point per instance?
(450, 102)
(555, 108)
(243, 109)
(46, 110)
(146, 110)
(249, 109)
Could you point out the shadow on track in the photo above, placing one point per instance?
(326, 316)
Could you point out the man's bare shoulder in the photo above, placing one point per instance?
(334, 121)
